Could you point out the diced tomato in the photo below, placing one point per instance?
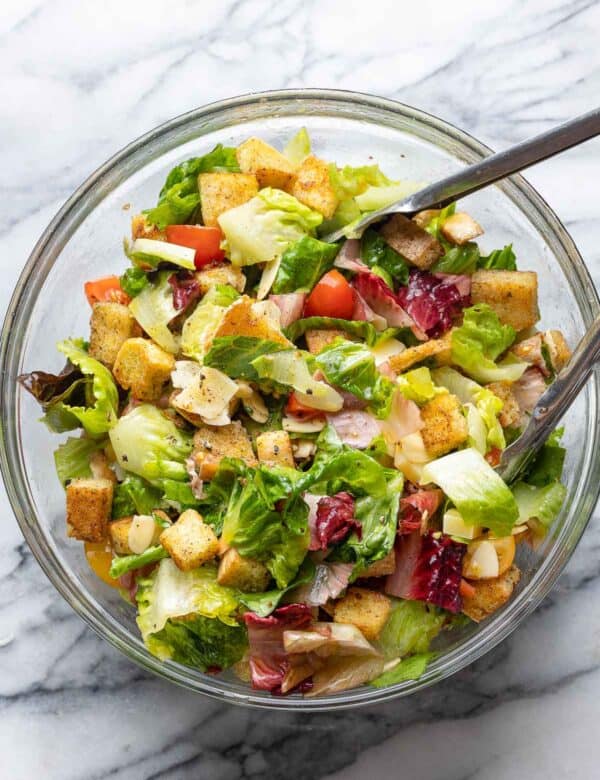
(205, 240)
(299, 410)
(108, 288)
(466, 590)
(331, 297)
(493, 456)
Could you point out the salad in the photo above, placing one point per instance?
(283, 449)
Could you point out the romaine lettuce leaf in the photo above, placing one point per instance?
(234, 355)
(477, 491)
(121, 564)
(150, 253)
(351, 367)
(434, 227)
(153, 308)
(303, 264)
(547, 467)
(179, 198)
(262, 604)
(289, 368)
(378, 197)
(410, 668)
(410, 628)
(417, 385)
(298, 147)
(150, 445)
(350, 181)
(539, 503)
(260, 230)
(458, 260)
(134, 496)
(72, 458)
(479, 341)
(199, 328)
(376, 252)
(133, 281)
(359, 328)
(499, 260)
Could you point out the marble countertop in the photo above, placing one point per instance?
(80, 80)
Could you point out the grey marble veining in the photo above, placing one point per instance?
(79, 81)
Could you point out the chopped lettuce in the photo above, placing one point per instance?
(298, 147)
(352, 367)
(289, 368)
(477, 491)
(410, 628)
(179, 198)
(434, 227)
(133, 281)
(121, 564)
(458, 260)
(359, 328)
(303, 264)
(379, 197)
(539, 503)
(260, 230)
(234, 355)
(479, 341)
(489, 407)
(153, 308)
(417, 385)
(349, 181)
(547, 467)
(91, 401)
(199, 328)
(410, 668)
(72, 458)
(148, 253)
(150, 445)
(377, 253)
(134, 496)
(262, 604)
(499, 260)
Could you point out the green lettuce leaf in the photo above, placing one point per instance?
(458, 260)
(133, 281)
(351, 367)
(376, 252)
(72, 458)
(434, 227)
(147, 443)
(479, 341)
(179, 198)
(303, 264)
(91, 402)
(121, 564)
(234, 355)
(298, 147)
(350, 181)
(151, 253)
(410, 628)
(499, 260)
(153, 308)
(264, 603)
(199, 328)
(134, 496)
(547, 467)
(477, 491)
(539, 503)
(359, 328)
(374, 198)
(417, 385)
(289, 368)
(260, 230)
(410, 668)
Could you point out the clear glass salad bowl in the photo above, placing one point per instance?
(84, 241)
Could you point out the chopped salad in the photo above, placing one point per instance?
(283, 449)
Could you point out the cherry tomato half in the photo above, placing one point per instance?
(205, 240)
(299, 410)
(108, 288)
(331, 297)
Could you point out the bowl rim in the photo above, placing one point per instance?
(14, 475)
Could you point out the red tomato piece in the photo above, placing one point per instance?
(331, 297)
(466, 590)
(205, 240)
(108, 288)
(301, 411)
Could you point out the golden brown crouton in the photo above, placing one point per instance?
(274, 448)
(220, 192)
(510, 416)
(460, 228)
(111, 324)
(89, 503)
(382, 567)
(190, 541)
(271, 168)
(144, 368)
(225, 273)
(411, 241)
(423, 218)
(119, 530)
(368, 610)
(434, 348)
(558, 349)
(212, 444)
(312, 186)
(445, 426)
(141, 228)
(317, 340)
(245, 317)
(245, 574)
(490, 595)
(511, 294)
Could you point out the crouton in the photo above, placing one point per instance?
(382, 567)
(368, 610)
(510, 416)
(312, 186)
(190, 541)
(89, 503)
(220, 192)
(212, 444)
(317, 340)
(411, 241)
(144, 368)
(118, 531)
(225, 273)
(434, 348)
(511, 294)
(423, 218)
(558, 349)
(274, 448)
(271, 168)
(111, 325)
(490, 595)
(245, 574)
(445, 426)
(461, 228)
(246, 317)
(141, 228)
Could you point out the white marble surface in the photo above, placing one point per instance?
(79, 80)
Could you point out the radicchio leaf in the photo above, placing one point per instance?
(433, 302)
(186, 289)
(334, 521)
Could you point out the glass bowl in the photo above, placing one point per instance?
(84, 241)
